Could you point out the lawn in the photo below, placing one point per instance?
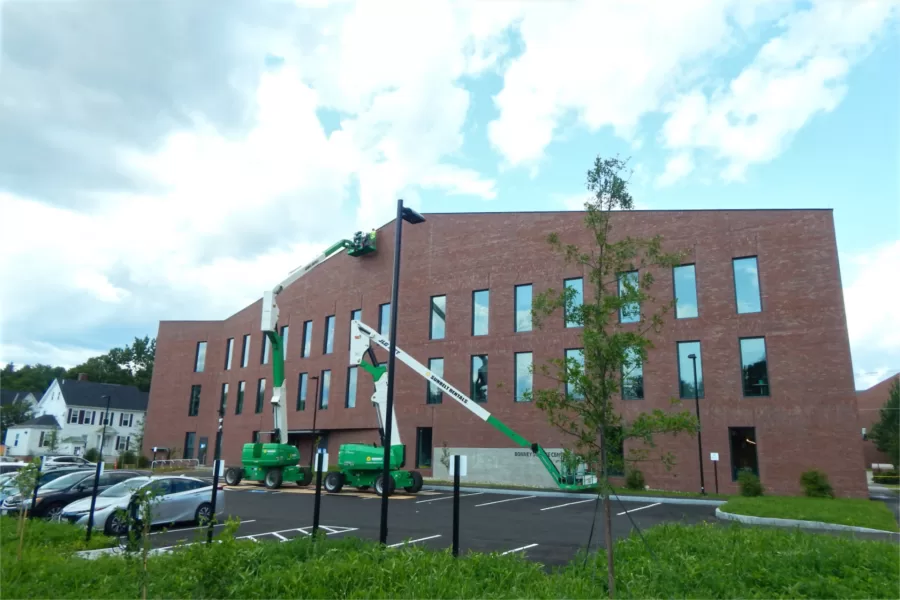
(860, 512)
(671, 561)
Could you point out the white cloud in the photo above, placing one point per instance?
(35, 352)
(677, 167)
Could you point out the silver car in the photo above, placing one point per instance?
(179, 499)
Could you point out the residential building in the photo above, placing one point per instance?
(870, 403)
(75, 409)
(759, 303)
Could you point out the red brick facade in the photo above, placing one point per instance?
(869, 403)
(809, 420)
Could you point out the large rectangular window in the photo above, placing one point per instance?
(434, 394)
(575, 287)
(686, 369)
(239, 404)
(478, 389)
(632, 376)
(307, 339)
(577, 355)
(245, 351)
(523, 307)
(438, 317)
(200, 357)
(481, 312)
(260, 394)
(266, 347)
(754, 367)
(746, 285)
(284, 339)
(351, 387)
(424, 447)
(355, 315)
(523, 376)
(328, 346)
(229, 351)
(326, 389)
(685, 283)
(742, 443)
(384, 319)
(223, 403)
(629, 284)
(302, 384)
(194, 402)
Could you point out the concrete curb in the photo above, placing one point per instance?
(748, 520)
(549, 494)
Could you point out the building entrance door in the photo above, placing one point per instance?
(743, 450)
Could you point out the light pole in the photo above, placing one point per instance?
(413, 218)
(106, 419)
(315, 442)
(217, 455)
(693, 358)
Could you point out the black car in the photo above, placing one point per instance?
(64, 489)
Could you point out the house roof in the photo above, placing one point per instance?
(91, 393)
(7, 397)
(41, 421)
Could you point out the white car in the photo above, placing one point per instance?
(180, 499)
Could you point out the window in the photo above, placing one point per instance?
(284, 339)
(328, 347)
(266, 346)
(355, 315)
(746, 285)
(229, 351)
(616, 455)
(326, 388)
(742, 442)
(481, 300)
(223, 404)
(301, 391)
(754, 368)
(479, 378)
(523, 307)
(239, 405)
(628, 285)
(424, 447)
(351, 388)
(523, 376)
(576, 354)
(434, 394)
(307, 338)
(189, 444)
(260, 394)
(573, 316)
(245, 352)
(685, 283)
(200, 357)
(254, 436)
(384, 319)
(193, 405)
(632, 376)
(438, 317)
(686, 369)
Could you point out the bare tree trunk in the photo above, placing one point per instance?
(607, 517)
(22, 517)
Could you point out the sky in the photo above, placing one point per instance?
(169, 159)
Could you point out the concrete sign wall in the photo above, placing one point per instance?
(510, 466)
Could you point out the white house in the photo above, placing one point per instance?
(75, 410)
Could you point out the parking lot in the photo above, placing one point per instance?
(548, 530)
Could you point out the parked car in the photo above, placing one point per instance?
(8, 482)
(54, 495)
(180, 499)
(55, 462)
(10, 466)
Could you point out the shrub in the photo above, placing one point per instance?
(815, 484)
(143, 462)
(634, 480)
(92, 454)
(891, 476)
(127, 457)
(749, 483)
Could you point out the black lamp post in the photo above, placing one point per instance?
(106, 419)
(315, 443)
(413, 218)
(215, 487)
(693, 358)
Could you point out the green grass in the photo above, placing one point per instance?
(622, 491)
(860, 512)
(705, 561)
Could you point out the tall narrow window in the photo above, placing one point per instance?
(479, 378)
(284, 339)
(685, 280)
(351, 387)
(260, 394)
(326, 389)
(193, 404)
(239, 404)
(575, 288)
(355, 315)
(301, 391)
(434, 394)
(245, 351)
(632, 376)
(200, 357)
(577, 355)
(266, 347)
(424, 447)
(481, 302)
(438, 317)
(328, 348)
(746, 285)
(229, 351)
(188, 444)
(686, 369)
(629, 284)
(754, 367)
(307, 338)
(523, 376)
(384, 319)
(523, 307)
(223, 403)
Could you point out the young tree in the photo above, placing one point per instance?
(614, 326)
(886, 432)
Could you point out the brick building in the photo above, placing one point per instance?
(869, 403)
(760, 303)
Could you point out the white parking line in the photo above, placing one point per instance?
(518, 549)
(279, 536)
(200, 527)
(414, 541)
(567, 504)
(449, 497)
(507, 500)
(636, 509)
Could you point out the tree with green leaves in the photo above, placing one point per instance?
(30, 378)
(615, 327)
(886, 432)
(15, 413)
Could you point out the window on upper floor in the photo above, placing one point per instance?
(685, 284)
(629, 284)
(433, 395)
(686, 369)
(575, 360)
(384, 319)
(326, 389)
(438, 317)
(200, 357)
(260, 394)
(355, 315)
(350, 399)
(575, 289)
(478, 389)
(524, 378)
(223, 402)
(632, 376)
(285, 330)
(523, 307)
(481, 312)
(328, 347)
(229, 351)
(307, 339)
(239, 403)
(302, 385)
(266, 347)
(754, 366)
(245, 351)
(746, 285)
(194, 403)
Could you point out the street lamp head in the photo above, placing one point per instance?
(692, 356)
(412, 217)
